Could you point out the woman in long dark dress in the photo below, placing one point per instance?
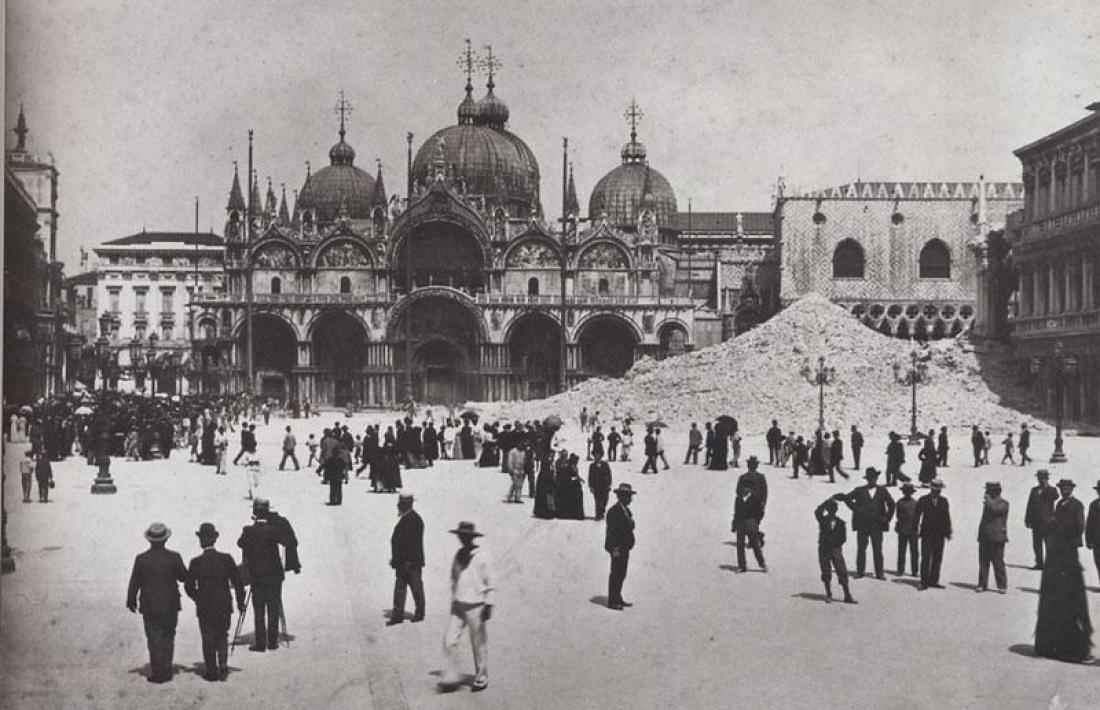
(719, 452)
(209, 456)
(544, 491)
(1063, 630)
(390, 473)
(570, 491)
(466, 442)
(928, 458)
(490, 450)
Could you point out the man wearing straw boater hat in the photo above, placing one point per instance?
(471, 607)
(155, 578)
(992, 536)
(619, 541)
(934, 521)
(209, 577)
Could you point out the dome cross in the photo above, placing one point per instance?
(633, 115)
(344, 109)
(489, 64)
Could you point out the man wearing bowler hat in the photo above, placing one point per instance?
(872, 509)
(934, 521)
(471, 607)
(619, 541)
(407, 559)
(1040, 513)
(905, 525)
(155, 578)
(1092, 528)
(992, 536)
(209, 578)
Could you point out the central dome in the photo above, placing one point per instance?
(622, 193)
(340, 186)
(490, 160)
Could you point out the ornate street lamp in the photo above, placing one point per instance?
(136, 368)
(821, 376)
(151, 362)
(1064, 368)
(916, 374)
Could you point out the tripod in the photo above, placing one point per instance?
(240, 621)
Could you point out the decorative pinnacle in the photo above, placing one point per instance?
(489, 64)
(633, 114)
(343, 108)
(466, 61)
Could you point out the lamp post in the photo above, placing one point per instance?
(151, 363)
(821, 376)
(915, 374)
(136, 369)
(1064, 367)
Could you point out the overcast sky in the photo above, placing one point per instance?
(145, 104)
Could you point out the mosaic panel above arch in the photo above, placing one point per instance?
(344, 255)
(275, 256)
(532, 254)
(604, 256)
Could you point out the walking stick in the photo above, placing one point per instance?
(282, 622)
(240, 621)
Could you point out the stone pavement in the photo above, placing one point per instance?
(699, 635)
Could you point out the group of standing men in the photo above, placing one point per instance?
(209, 580)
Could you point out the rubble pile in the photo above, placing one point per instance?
(758, 376)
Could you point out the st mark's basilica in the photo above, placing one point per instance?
(464, 277)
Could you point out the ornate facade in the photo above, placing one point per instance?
(461, 287)
(897, 255)
(1055, 255)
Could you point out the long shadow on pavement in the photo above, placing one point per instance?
(963, 585)
(907, 582)
(809, 596)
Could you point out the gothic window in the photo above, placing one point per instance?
(532, 287)
(345, 284)
(848, 260)
(276, 285)
(935, 260)
(603, 287)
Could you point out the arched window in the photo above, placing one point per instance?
(532, 286)
(935, 260)
(848, 260)
(345, 284)
(603, 287)
(276, 285)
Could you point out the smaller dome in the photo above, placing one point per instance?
(633, 152)
(342, 153)
(494, 112)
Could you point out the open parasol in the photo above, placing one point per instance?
(83, 410)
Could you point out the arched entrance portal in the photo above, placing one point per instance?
(534, 347)
(274, 353)
(339, 354)
(445, 340)
(607, 346)
(443, 254)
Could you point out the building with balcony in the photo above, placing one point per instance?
(463, 290)
(898, 255)
(144, 285)
(1055, 253)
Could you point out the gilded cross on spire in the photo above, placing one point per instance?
(343, 108)
(633, 114)
(466, 62)
(489, 64)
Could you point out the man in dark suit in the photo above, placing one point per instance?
(992, 536)
(830, 548)
(650, 452)
(407, 560)
(977, 443)
(774, 438)
(872, 508)
(599, 482)
(259, 545)
(1039, 513)
(942, 447)
(1024, 444)
(905, 526)
(155, 578)
(934, 521)
(619, 541)
(748, 512)
(209, 577)
(856, 442)
(1092, 528)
